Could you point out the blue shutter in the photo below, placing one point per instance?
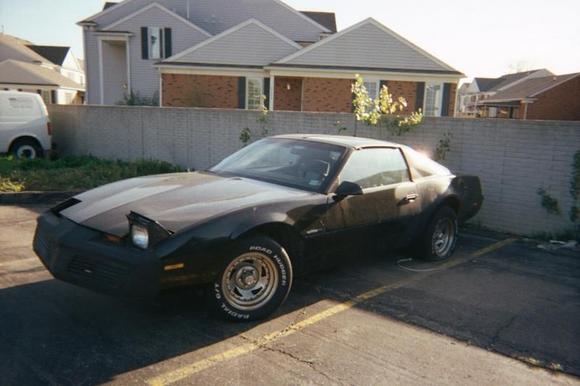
(242, 92)
(446, 99)
(168, 47)
(144, 43)
(267, 92)
(420, 96)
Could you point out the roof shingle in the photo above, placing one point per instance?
(529, 88)
(56, 54)
(325, 19)
(367, 45)
(22, 73)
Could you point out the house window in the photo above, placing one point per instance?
(253, 93)
(46, 97)
(433, 99)
(372, 88)
(155, 43)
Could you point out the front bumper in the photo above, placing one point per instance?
(82, 256)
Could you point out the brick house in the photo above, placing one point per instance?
(472, 95)
(226, 54)
(546, 98)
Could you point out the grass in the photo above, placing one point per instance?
(72, 173)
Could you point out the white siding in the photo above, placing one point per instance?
(216, 16)
(249, 45)
(144, 76)
(114, 72)
(93, 80)
(367, 45)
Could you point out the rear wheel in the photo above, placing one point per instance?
(440, 238)
(254, 282)
(26, 149)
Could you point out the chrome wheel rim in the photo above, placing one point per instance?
(249, 281)
(26, 151)
(443, 236)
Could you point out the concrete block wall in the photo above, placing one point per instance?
(513, 158)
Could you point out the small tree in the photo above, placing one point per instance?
(134, 99)
(384, 110)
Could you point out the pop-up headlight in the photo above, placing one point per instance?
(139, 236)
(145, 232)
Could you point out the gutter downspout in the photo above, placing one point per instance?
(525, 110)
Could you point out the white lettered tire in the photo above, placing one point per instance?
(255, 280)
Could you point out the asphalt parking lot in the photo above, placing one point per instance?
(500, 312)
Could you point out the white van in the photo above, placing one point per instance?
(25, 129)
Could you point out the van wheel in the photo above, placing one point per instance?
(26, 149)
(254, 282)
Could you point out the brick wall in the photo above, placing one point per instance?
(181, 90)
(288, 100)
(513, 158)
(325, 94)
(407, 90)
(561, 102)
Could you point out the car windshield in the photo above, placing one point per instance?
(296, 163)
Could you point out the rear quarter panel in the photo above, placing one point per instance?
(436, 190)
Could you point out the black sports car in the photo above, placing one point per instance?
(281, 206)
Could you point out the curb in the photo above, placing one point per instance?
(30, 198)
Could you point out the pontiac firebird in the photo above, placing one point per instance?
(246, 227)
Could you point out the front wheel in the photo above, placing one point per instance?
(440, 238)
(254, 282)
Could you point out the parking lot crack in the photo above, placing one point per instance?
(496, 336)
(310, 363)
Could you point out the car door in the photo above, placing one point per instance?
(389, 200)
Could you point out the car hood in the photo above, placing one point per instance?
(176, 200)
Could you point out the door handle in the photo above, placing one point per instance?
(411, 197)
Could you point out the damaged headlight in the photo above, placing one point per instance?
(145, 232)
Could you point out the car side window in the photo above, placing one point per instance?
(376, 167)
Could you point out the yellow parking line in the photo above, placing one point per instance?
(193, 368)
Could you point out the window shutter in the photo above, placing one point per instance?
(266, 92)
(446, 99)
(420, 97)
(144, 43)
(383, 83)
(168, 47)
(242, 92)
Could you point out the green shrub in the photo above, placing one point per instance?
(73, 172)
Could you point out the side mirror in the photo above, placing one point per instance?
(347, 188)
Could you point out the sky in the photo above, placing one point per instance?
(480, 38)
